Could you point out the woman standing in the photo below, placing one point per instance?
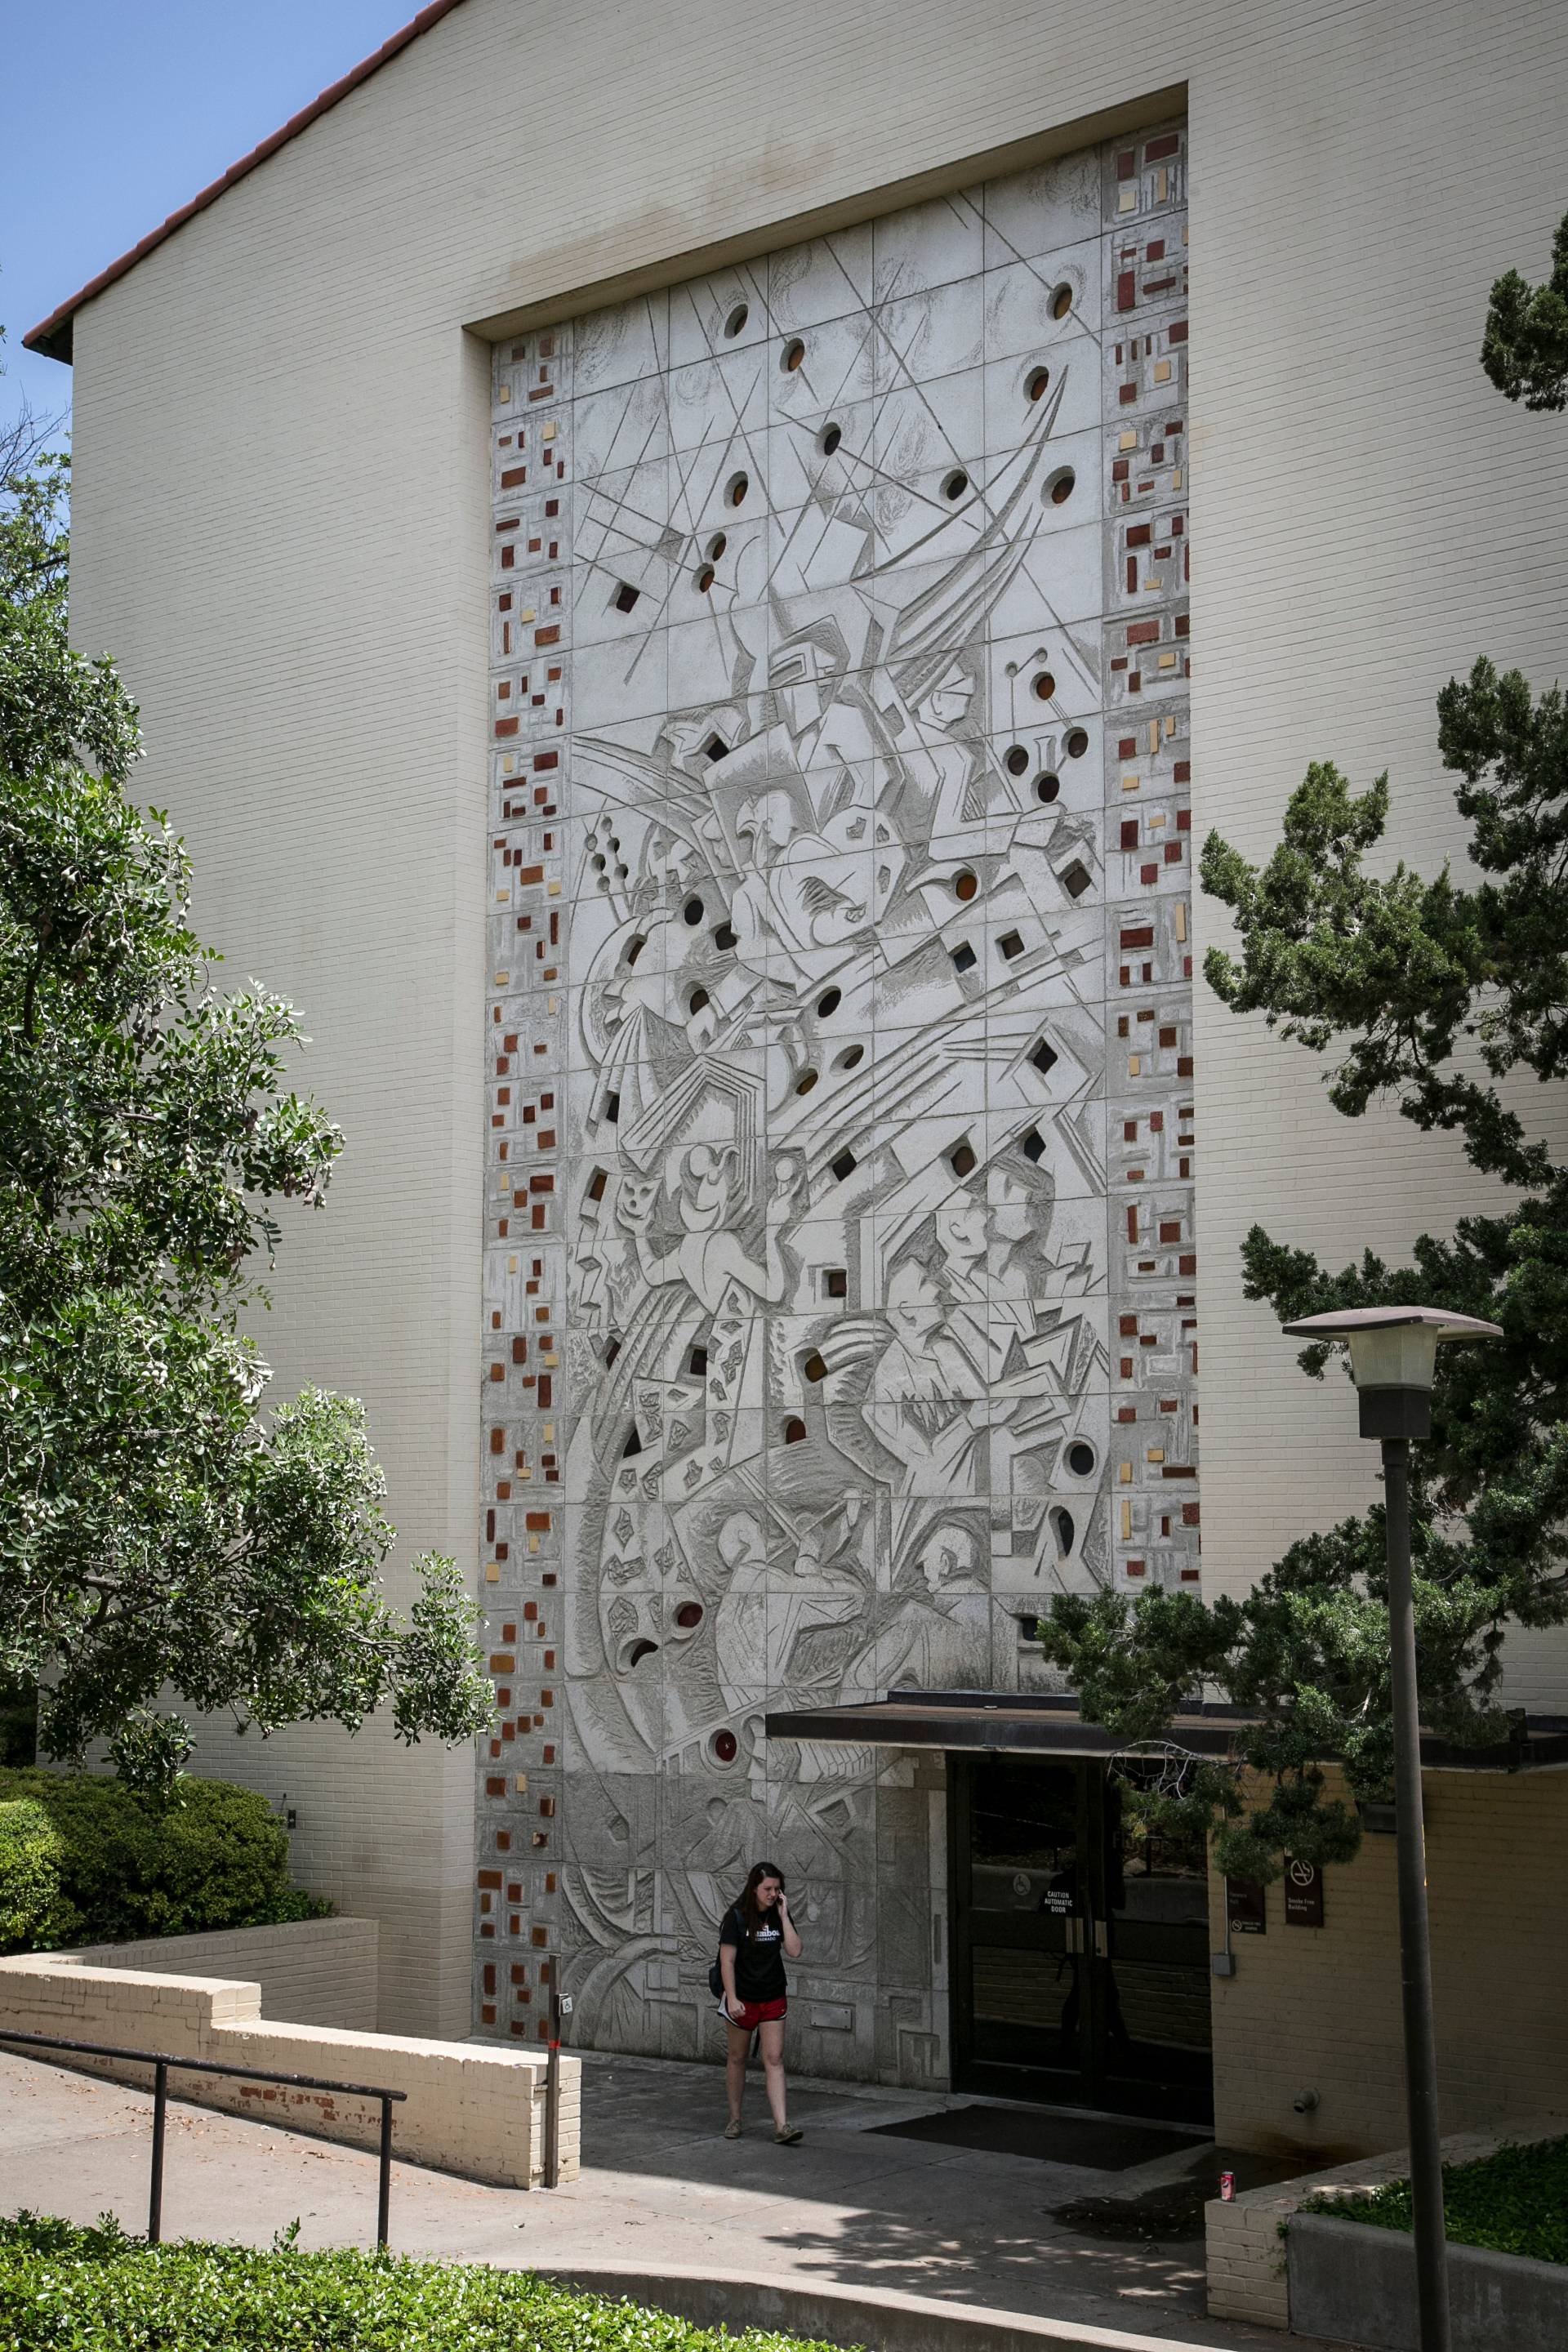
(756, 1934)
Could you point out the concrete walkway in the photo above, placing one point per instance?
(661, 2189)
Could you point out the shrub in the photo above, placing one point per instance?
(34, 1913)
(66, 2290)
(219, 1858)
(1515, 2201)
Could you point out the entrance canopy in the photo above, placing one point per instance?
(1019, 1723)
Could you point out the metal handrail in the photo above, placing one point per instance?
(161, 2061)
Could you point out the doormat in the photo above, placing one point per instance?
(1099, 2147)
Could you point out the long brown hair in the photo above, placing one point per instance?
(748, 1906)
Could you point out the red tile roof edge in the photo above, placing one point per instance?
(52, 336)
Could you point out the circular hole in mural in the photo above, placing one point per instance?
(697, 1000)
(1043, 685)
(1038, 382)
(829, 437)
(1080, 1458)
(735, 490)
(828, 1003)
(805, 1083)
(1077, 744)
(955, 484)
(689, 1616)
(1046, 787)
(966, 885)
(793, 354)
(814, 1368)
(723, 1747)
(704, 579)
(735, 324)
(1061, 300)
(693, 910)
(726, 936)
(598, 862)
(636, 1652)
(1059, 488)
(850, 1057)
(794, 1430)
(1017, 760)
(961, 1158)
(716, 546)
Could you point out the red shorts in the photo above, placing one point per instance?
(752, 2013)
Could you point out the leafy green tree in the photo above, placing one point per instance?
(1444, 997)
(157, 1530)
(1525, 348)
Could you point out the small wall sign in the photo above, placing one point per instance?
(1303, 1894)
(1246, 1906)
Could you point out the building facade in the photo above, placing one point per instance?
(718, 753)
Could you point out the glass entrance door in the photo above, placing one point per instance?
(1080, 1950)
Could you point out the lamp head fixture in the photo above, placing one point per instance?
(1393, 1352)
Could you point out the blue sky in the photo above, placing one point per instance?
(115, 113)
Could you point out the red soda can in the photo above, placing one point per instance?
(1227, 2188)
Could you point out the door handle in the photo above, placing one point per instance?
(1102, 1941)
(1074, 1935)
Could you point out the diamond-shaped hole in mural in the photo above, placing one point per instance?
(963, 957)
(735, 324)
(1046, 786)
(829, 437)
(692, 912)
(1033, 1145)
(965, 884)
(843, 1166)
(1016, 760)
(1044, 1057)
(794, 1430)
(1037, 384)
(1010, 944)
(1061, 300)
(792, 355)
(596, 1184)
(723, 1747)
(1059, 486)
(828, 1003)
(1081, 1458)
(613, 1107)
(1043, 685)
(633, 1444)
(1077, 744)
(955, 484)
(850, 1057)
(704, 579)
(735, 490)
(1076, 879)
(689, 1616)
(961, 1158)
(715, 750)
(814, 1368)
(626, 597)
(611, 1352)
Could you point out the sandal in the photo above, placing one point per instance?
(787, 2135)
(732, 2128)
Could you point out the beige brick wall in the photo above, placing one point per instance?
(308, 1971)
(1318, 2008)
(470, 2108)
(281, 527)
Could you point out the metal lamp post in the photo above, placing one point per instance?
(1393, 1354)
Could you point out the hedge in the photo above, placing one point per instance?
(68, 2290)
(1515, 2201)
(82, 1861)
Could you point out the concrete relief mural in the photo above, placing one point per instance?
(839, 1264)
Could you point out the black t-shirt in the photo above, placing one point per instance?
(759, 1958)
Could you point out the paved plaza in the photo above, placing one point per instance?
(851, 2207)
